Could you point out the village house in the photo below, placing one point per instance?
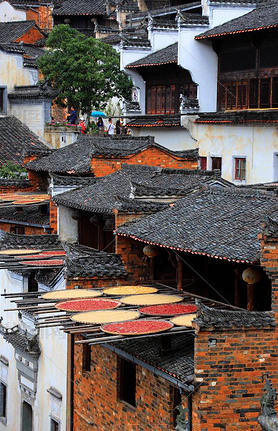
(209, 86)
(37, 10)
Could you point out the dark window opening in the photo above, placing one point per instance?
(176, 400)
(32, 283)
(203, 163)
(2, 93)
(27, 417)
(54, 425)
(127, 382)
(216, 163)
(3, 400)
(86, 357)
(239, 59)
(96, 231)
(19, 230)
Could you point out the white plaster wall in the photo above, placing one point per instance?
(257, 143)
(161, 38)
(8, 13)
(201, 61)
(174, 138)
(13, 73)
(32, 114)
(219, 15)
(68, 228)
(52, 367)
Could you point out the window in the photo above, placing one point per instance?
(127, 382)
(32, 283)
(203, 163)
(240, 168)
(86, 357)
(216, 163)
(3, 401)
(3, 100)
(54, 425)
(176, 400)
(27, 417)
(19, 230)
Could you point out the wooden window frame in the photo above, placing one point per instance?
(239, 170)
(203, 163)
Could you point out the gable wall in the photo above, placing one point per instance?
(151, 156)
(31, 36)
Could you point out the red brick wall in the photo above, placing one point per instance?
(133, 258)
(53, 222)
(31, 36)
(94, 282)
(29, 230)
(96, 404)
(229, 378)
(151, 156)
(269, 261)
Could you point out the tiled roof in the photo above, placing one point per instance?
(76, 158)
(178, 361)
(11, 31)
(15, 182)
(263, 17)
(226, 319)
(21, 341)
(163, 56)
(42, 242)
(238, 117)
(121, 189)
(33, 92)
(221, 223)
(27, 214)
(72, 181)
(13, 48)
(155, 121)
(16, 141)
(80, 7)
(163, 11)
(85, 262)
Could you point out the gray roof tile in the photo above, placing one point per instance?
(263, 17)
(216, 222)
(16, 141)
(163, 56)
(226, 319)
(11, 31)
(80, 7)
(76, 158)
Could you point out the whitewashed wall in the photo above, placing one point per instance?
(52, 365)
(8, 13)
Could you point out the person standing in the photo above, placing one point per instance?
(111, 127)
(100, 126)
(72, 116)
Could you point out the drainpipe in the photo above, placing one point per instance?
(71, 380)
(189, 407)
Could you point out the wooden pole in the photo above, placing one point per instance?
(250, 297)
(237, 290)
(179, 271)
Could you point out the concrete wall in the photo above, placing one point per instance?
(67, 227)
(8, 13)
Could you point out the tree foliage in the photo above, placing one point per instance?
(12, 170)
(86, 71)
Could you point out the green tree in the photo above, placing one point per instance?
(86, 71)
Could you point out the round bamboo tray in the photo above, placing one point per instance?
(88, 305)
(129, 290)
(72, 294)
(139, 327)
(106, 316)
(168, 309)
(19, 252)
(154, 299)
(184, 320)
